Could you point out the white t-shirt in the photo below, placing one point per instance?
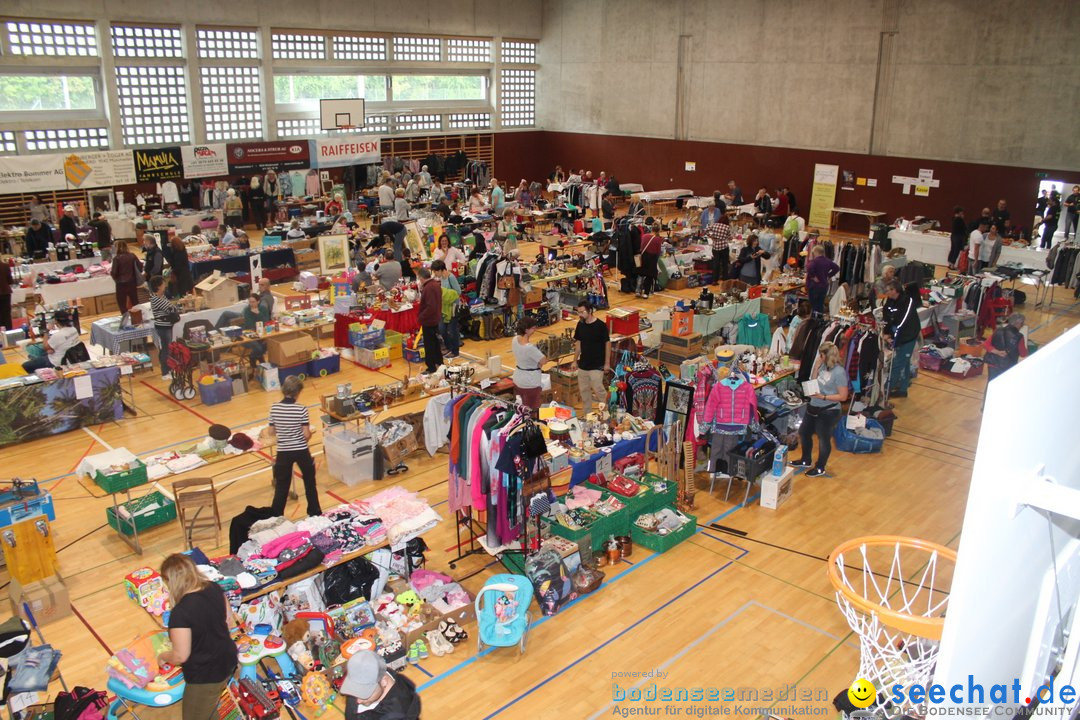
(61, 340)
(527, 363)
(986, 250)
(975, 239)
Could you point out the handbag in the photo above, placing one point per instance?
(637, 260)
(538, 482)
(623, 486)
(505, 282)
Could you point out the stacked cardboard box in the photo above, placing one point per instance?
(674, 349)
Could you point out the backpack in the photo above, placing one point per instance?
(80, 704)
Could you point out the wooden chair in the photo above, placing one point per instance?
(197, 508)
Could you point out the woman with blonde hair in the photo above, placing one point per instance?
(507, 231)
(823, 410)
(199, 632)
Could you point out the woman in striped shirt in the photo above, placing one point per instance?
(290, 422)
(165, 316)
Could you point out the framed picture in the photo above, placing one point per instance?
(414, 240)
(678, 398)
(333, 253)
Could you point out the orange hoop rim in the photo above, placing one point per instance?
(927, 627)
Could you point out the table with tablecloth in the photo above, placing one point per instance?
(52, 293)
(277, 257)
(108, 334)
(44, 268)
(28, 412)
(188, 222)
(580, 470)
(123, 228)
(708, 325)
(405, 322)
(933, 247)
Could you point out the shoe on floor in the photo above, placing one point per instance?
(814, 472)
(800, 463)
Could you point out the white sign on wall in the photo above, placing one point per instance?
(103, 168)
(348, 150)
(209, 160)
(32, 173)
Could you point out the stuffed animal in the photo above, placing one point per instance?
(505, 611)
(410, 599)
(296, 631)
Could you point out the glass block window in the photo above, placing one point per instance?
(7, 141)
(517, 98)
(147, 42)
(458, 50)
(301, 127)
(410, 123)
(377, 124)
(417, 49)
(519, 52)
(294, 46)
(67, 139)
(355, 47)
(153, 105)
(231, 103)
(461, 121)
(51, 39)
(215, 44)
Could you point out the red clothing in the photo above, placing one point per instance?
(126, 269)
(780, 209)
(430, 303)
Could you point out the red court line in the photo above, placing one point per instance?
(174, 401)
(463, 542)
(337, 497)
(72, 470)
(91, 629)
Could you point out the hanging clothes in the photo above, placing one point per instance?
(754, 330)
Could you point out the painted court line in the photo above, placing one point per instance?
(97, 438)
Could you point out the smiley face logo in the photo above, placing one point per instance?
(862, 694)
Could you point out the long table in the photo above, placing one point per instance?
(242, 264)
(186, 223)
(29, 412)
(870, 215)
(933, 247)
(85, 288)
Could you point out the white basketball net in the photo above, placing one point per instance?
(888, 656)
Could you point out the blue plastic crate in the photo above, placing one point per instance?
(301, 370)
(324, 366)
(215, 393)
(367, 339)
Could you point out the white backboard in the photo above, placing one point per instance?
(336, 114)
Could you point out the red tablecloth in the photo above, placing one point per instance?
(404, 322)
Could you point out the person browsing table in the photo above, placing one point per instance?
(430, 315)
(528, 360)
(166, 314)
(823, 411)
(592, 352)
(291, 424)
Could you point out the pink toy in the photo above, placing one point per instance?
(505, 611)
(146, 587)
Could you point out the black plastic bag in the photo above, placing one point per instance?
(349, 581)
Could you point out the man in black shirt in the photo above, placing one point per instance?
(902, 328)
(394, 231)
(1072, 212)
(591, 343)
(103, 230)
(372, 691)
(958, 237)
(1040, 211)
(38, 237)
(1000, 215)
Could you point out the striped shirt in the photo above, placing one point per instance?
(162, 308)
(288, 419)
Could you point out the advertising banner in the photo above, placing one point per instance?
(105, 168)
(263, 156)
(210, 160)
(823, 195)
(348, 150)
(32, 173)
(157, 164)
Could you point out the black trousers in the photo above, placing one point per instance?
(647, 282)
(821, 425)
(721, 259)
(283, 468)
(5, 310)
(956, 246)
(1048, 234)
(432, 347)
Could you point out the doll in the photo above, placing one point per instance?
(505, 611)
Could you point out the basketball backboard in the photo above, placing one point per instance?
(1012, 612)
(341, 113)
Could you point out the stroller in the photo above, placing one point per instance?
(502, 612)
(181, 365)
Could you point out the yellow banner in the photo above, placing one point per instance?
(823, 195)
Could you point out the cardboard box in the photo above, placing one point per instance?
(682, 323)
(218, 290)
(48, 599)
(776, 490)
(682, 342)
(773, 306)
(680, 283)
(290, 349)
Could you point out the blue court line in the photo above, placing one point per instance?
(743, 550)
(421, 669)
(612, 639)
(440, 503)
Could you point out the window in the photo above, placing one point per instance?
(70, 139)
(459, 50)
(301, 127)
(417, 49)
(355, 47)
(214, 44)
(519, 52)
(308, 90)
(294, 46)
(147, 42)
(7, 141)
(28, 93)
(463, 121)
(153, 105)
(409, 123)
(55, 39)
(517, 98)
(417, 88)
(377, 124)
(231, 103)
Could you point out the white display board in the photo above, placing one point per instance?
(336, 113)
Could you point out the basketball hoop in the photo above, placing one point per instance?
(898, 619)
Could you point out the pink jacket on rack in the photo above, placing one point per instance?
(727, 406)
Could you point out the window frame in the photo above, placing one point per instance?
(13, 117)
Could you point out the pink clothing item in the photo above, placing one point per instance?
(727, 406)
(581, 496)
(275, 547)
(476, 483)
(423, 578)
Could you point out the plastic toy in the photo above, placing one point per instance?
(258, 702)
(505, 611)
(146, 587)
(135, 678)
(252, 648)
(317, 692)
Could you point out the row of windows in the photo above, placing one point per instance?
(63, 39)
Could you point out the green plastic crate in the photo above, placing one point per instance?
(115, 482)
(646, 500)
(663, 543)
(575, 535)
(165, 512)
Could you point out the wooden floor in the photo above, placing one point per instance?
(719, 610)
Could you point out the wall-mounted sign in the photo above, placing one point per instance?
(210, 160)
(262, 156)
(156, 164)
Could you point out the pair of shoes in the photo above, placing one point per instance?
(438, 642)
(815, 472)
(452, 631)
(418, 651)
(645, 296)
(800, 463)
(167, 377)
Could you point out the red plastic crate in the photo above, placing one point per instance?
(629, 325)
